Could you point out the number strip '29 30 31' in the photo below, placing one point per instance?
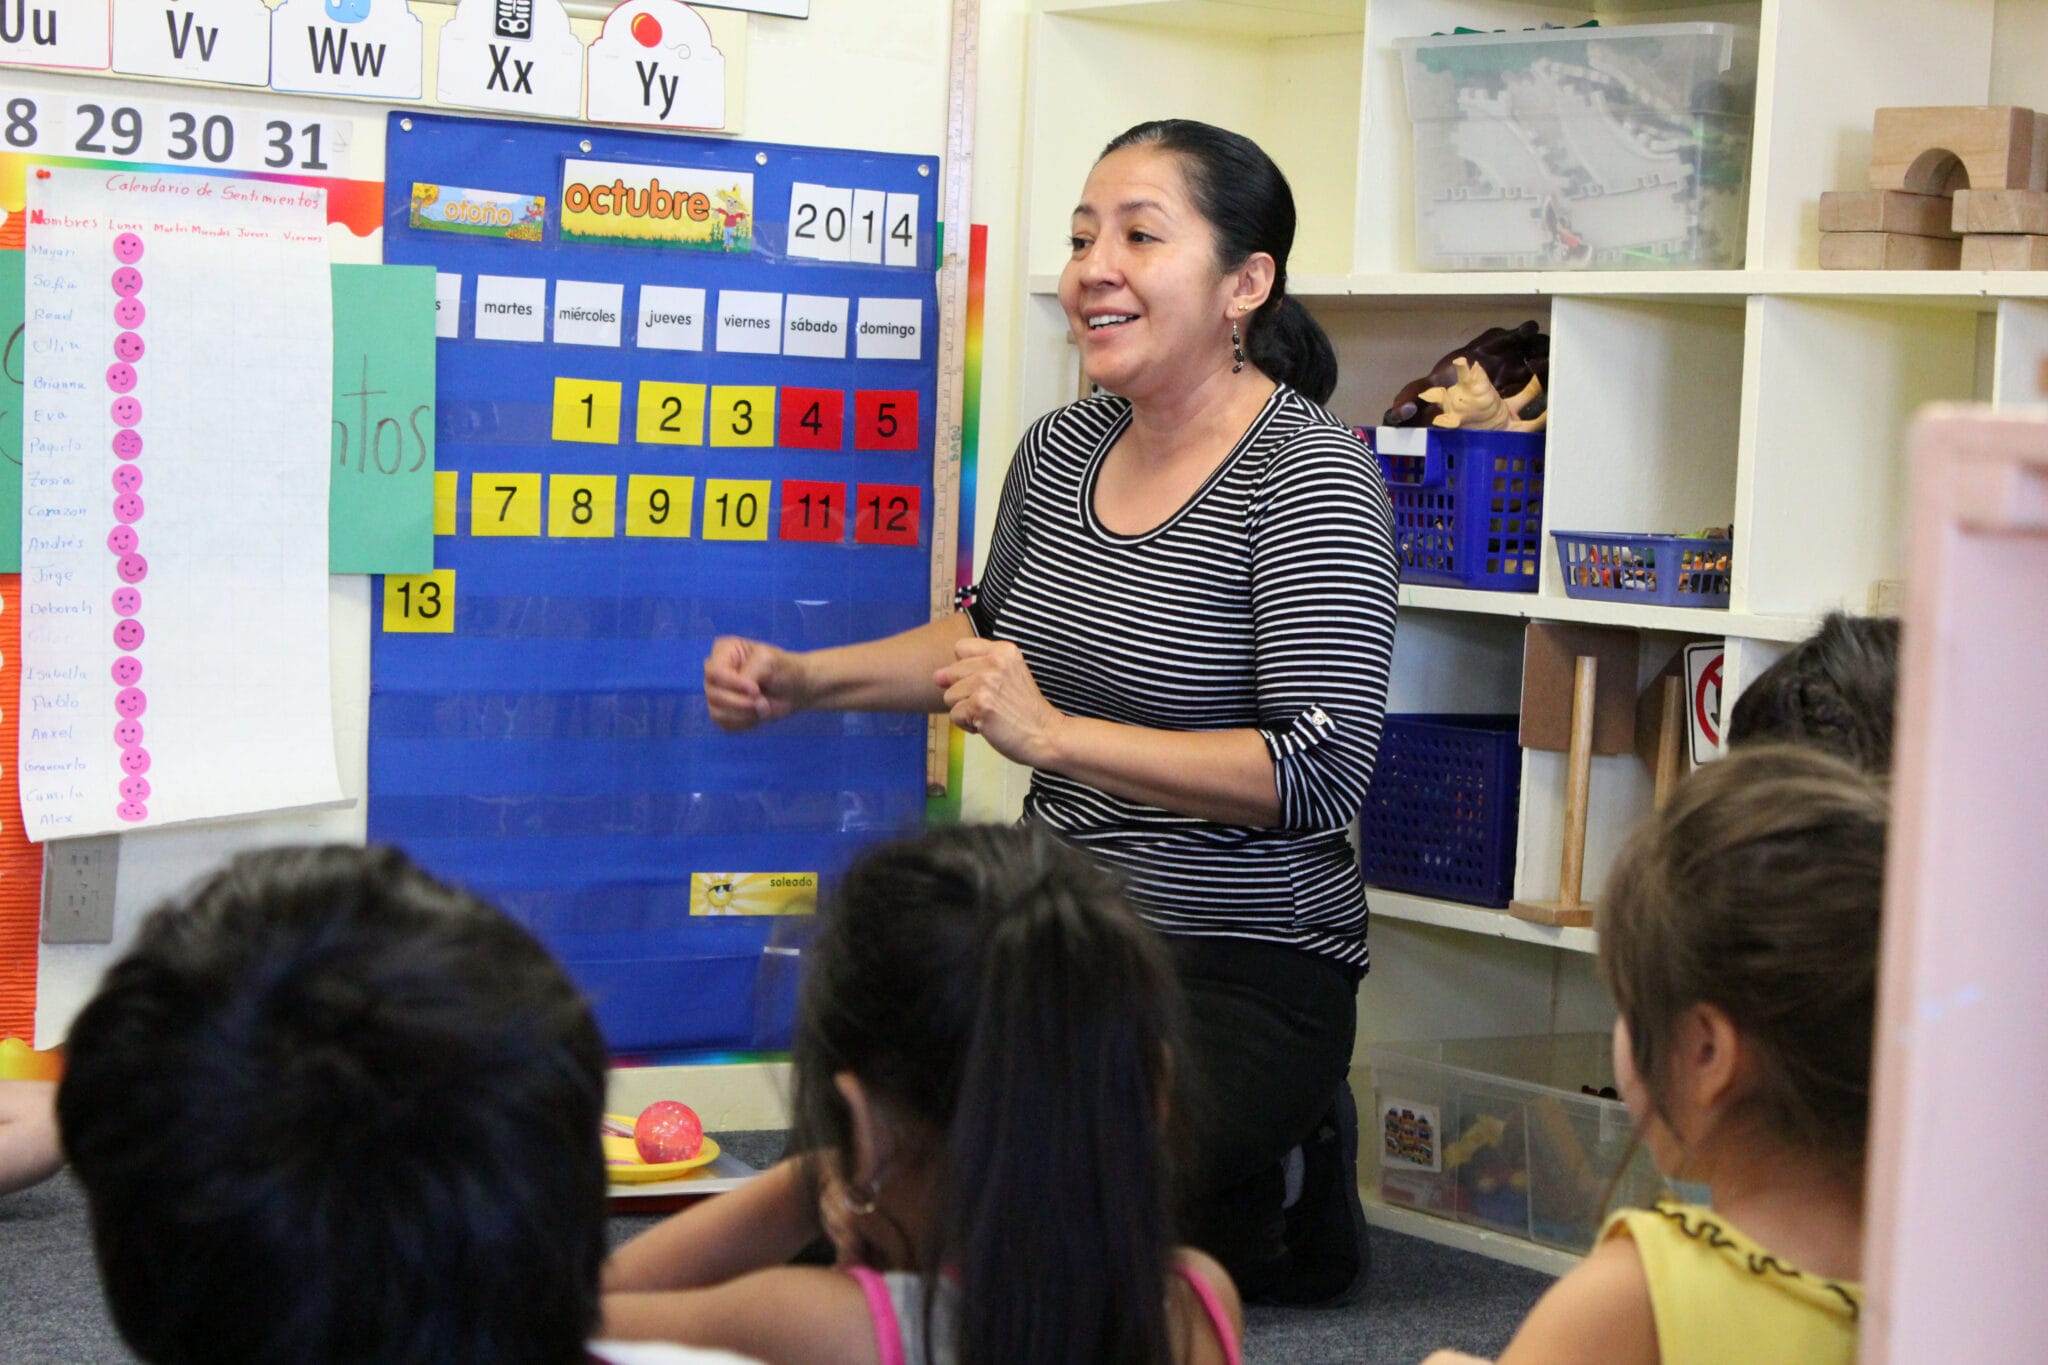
(173, 133)
(952, 395)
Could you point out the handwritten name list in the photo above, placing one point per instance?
(174, 504)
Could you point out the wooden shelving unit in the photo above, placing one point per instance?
(1776, 396)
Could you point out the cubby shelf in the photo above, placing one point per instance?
(1978, 290)
(1476, 919)
(1775, 398)
(1703, 621)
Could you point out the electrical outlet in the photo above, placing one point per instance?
(78, 889)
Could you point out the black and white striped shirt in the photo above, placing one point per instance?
(1266, 602)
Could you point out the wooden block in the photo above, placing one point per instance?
(1550, 654)
(1888, 251)
(1923, 215)
(2001, 211)
(1554, 913)
(1917, 149)
(2005, 251)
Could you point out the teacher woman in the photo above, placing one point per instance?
(1184, 630)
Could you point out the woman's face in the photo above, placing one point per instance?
(1144, 296)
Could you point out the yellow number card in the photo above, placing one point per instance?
(583, 505)
(742, 415)
(447, 487)
(659, 505)
(420, 603)
(736, 509)
(670, 414)
(587, 410)
(504, 504)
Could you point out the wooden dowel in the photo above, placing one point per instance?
(1670, 730)
(1578, 780)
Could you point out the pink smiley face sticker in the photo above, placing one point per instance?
(127, 281)
(135, 762)
(126, 412)
(132, 811)
(128, 507)
(121, 540)
(127, 601)
(128, 634)
(129, 313)
(127, 478)
(129, 703)
(127, 444)
(132, 568)
(135, 789)
(127, 671)
(128, 734)
(120, 377)
(127, 248)
(128, 347)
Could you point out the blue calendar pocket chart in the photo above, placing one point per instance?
(686, 389)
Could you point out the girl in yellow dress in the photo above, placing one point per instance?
(1739, 938)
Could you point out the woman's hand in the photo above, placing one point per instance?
(749, 681)
(991, 693)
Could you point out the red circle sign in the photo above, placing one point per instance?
(1706, 701)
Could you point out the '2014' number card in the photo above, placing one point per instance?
(174, 502)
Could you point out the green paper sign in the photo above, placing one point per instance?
(380, 510)
(381, 500)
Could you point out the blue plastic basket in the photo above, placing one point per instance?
(1669, 571)
(1439, 818)
(1468, 511)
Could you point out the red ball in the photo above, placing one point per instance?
(668, 1130)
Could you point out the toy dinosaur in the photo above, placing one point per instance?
(1473, 404)
(1510, 357)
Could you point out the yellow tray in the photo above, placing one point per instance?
(623, 1165)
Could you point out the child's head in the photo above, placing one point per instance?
(329, 1109)
(1836, 690)
(1739, 937)
(983, 1014)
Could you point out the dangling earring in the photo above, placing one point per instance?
(870, 1198)
(1236, 350)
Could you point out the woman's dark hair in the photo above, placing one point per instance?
(328, 1109)
(1758, 889)
(993, 992)
(1836, 690)
(1246, 200)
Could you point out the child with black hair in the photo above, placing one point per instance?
(1739, 937)
(329, 1110)
(1836, 690)
(986, 1046)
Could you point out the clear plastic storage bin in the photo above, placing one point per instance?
(1496, 1132)
(1621, 148)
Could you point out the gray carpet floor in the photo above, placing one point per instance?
(1420, 1296)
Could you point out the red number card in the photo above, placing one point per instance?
(886, 514)
(885, 419)
(812, 510)
(812, 419)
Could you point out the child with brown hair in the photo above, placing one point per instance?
(1739, 939)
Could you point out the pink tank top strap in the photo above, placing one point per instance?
(1213, 1306)
(881, 1308)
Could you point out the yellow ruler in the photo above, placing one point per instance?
(954, 212)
